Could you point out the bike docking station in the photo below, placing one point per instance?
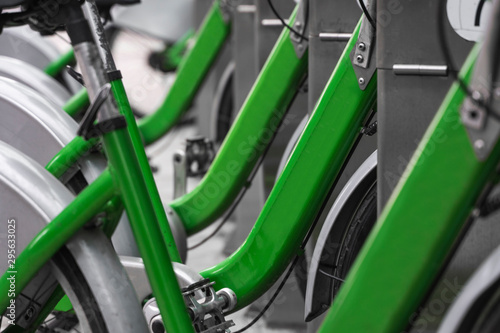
(313, 166)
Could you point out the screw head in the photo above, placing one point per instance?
(298, 24)
(361, 46)
(476, 95)
(359, 58)
(479, 144)
(361, 80)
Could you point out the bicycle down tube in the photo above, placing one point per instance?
(258, 120)
(299, 192)
(191, 73)
(312, 168)
(418, 227)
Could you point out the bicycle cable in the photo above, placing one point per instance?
(250, 177)
(366, 13)
(283, 22)
(309, 233)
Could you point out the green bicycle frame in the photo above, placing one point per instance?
(298, 194)
(282, 224)
(250, 133)
(254, 127)
(193, 69)
(417, 228)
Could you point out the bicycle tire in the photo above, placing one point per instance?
(363, 219)
(79, 292)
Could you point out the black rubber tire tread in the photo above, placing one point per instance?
(67, 265)
(357, 231)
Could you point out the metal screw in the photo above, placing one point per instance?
(479, 144)
(361, 81)
(300, 47)
(298, 24)
(476, 95)
(361, 46)
(359, 58)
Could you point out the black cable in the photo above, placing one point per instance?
(366, 13)
(445, 50)
(284, 23)
(331, 276)
(477, 20)
(308, 235)
(276, 293)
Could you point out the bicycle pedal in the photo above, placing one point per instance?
(205, 307)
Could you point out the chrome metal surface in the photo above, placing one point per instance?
(177, 227)
(334, 37)
(180, 175)
(272, 23)
(431, 70)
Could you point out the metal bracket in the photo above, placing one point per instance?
(193, 161)
(180, 177)
(227, 7)
(300, 24)
(480, 112)
(363, 55)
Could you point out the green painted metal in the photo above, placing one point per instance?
(174, 54)
(58, 65)
(77, 103)
(68, 156)
(250, 133)
(417, 228)
(145, 170)
(126, 172)
(191, 73)
(48, 241)
(298, 194)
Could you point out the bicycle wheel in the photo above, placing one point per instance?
(85, 290)
(363, 219)
(88, 315)
(343, 234)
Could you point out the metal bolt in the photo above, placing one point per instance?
(479, 144)
(300, 47)
(298, 24)
(476, 95)
(361, 81)
(361, 46)
(359, 58)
